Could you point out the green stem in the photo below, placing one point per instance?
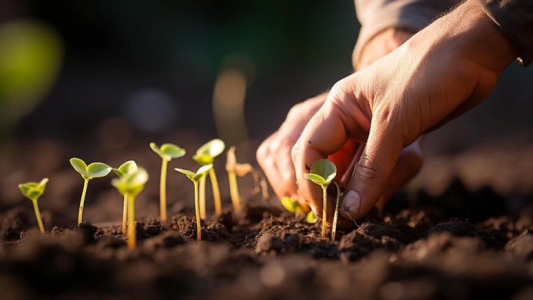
(336, 216)
(324, 210)
(38, 215)
(163, 191)
(82, 202)
(125, 215)
(131, 222)
(234, 191)
(203, 212)
(216, 191)
(197, 208)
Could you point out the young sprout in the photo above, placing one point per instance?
(167, 152)
(322, 173)
(336, 215)
(196, 178)
(235, 169)
(129, 185)
(205, 155)
(311, 218)
(32, 191)
(126, 168)
(94, 170)
(292, 206)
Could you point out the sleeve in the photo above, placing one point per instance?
(515, 19)
(378, 15)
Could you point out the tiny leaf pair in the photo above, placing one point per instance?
(126, 168)
(295, 207)
(167, 152)
(322, 173)
(197, 177)
(33, 191)
(88, 172)
(130, 185)
(205, 155)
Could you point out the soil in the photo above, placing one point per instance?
(459, 245)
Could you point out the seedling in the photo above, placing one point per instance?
(126, 168)
(311, 218)
(32, 191)
(167, 152)
(235, 169)
(94, 170)
(130, 185)
(292, 206)
(336, 215)
(322, 173)
(205, 155)
(196, 178)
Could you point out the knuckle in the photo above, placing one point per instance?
(262, 152)
(367, 169)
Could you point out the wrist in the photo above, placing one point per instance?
(380, 45)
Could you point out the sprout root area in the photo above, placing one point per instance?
(460, 244)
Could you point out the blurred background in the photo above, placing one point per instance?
(100, 79)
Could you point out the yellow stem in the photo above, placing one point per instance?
(163, 191)
(203, 213)
(131, 222)
(197, 208)
(336, 216)
(38, 215)
(216, 192)
(234, 191)
(324, 210)
(82, 202)
(125, 215)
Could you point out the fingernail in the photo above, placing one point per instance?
(351, 203)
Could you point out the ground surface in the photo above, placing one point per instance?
(458, 245)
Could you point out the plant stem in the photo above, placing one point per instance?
(234, 191)
(163, 191)
(216, 191)
(324, 210)
(131, 222)
(203, 213)
(38, 215)
(125, 215)
(197, 208)
(336, 216)
(82, 202)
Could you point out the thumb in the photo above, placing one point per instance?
(374, 168)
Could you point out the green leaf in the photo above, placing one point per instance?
(207, 153)
(131, 183)
(196, 177)
(33, 190)
(126, 168)
(315, 178)
(324, 169)
(172, 150)
(168, 151)
(311, 218)
(94, 170)
(98, 169)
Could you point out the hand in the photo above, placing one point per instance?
(438, 74)
(274, 154)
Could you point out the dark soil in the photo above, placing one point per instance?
(270, 254)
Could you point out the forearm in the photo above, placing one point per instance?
(390, 21)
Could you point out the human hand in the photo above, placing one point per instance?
(274, 154)
(441, 72)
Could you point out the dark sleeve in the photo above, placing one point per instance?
(515, 18)
(378, 15)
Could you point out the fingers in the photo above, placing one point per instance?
(408, 166)
(374, 168)
(326, 133)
